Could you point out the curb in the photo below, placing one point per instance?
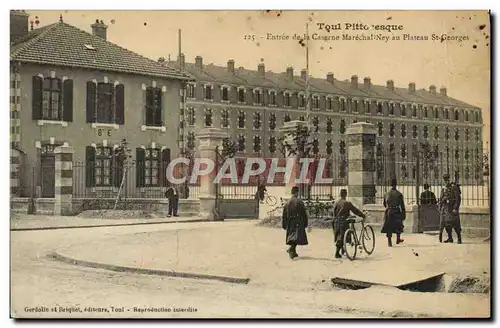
(168, 273)
(105, 225)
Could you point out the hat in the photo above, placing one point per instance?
(446, 176)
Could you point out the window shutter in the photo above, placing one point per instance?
(90, 166)
(165, 160)
(37, 97)
(68, 101)
(158, 107)
(149, 106)
(120, 104)
(91, 101)
(140, 154)
(117, 168)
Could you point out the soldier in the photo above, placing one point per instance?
(395, 214)
(341, 211)
(295, 221)
(427, 197)
(449, 205)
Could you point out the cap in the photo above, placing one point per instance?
(446, 176)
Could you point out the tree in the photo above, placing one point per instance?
(123, 156)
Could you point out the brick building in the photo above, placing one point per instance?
(77, 88)
(251, 105)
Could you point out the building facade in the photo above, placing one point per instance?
(70, 87)
(251, 105)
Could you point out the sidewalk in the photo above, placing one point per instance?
(42, 222)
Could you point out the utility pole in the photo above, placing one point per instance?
(308, 102)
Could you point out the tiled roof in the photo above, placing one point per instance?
(214, 73)
(61, 44)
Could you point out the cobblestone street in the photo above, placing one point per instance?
(277, 283)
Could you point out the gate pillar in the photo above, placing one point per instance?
(210, 139)
(361, 139)
(64, 180)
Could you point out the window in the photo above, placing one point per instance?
(225, 94)
(403, 131)
(403, 110)
(51, 103)
(466, 154)
(256, 120)
(391, 130)
(190, 116)
(191, 91)
(436, 132)
(272, 98)
(225, 118)
(466, 135)
(272, 121)
(315, 146)
(355, 106)
(426, 132)
(457, 153)
(208, 117)
(457, 135)
(466, 116)
(103, 166)
(403, 150)
(257, 97)
(391, 109)
(154, 107)
(241, 95)
(446, 114)
(241, 143)
(272, 145)
(414, 149)
(456, 115)
(342, 127)
(415, 131)
(342, 149)
(477, 135)
(151, 167)
(380, 109)
(241, 119)
(208, 92)
(342, 105)
(367, 107)
(329, 125)
(436, 113)
(380, 126)
(256, 144)
(315, 102)
(105, 110)
(446, 133)
(316, 123)
(190, 140)
(329, 103)
(391, 148)
(414, 111)
(329, 147)
(476, 117)
(302, 101)
(286, 118)
(425, 112)
(436, 151)
(286, 99)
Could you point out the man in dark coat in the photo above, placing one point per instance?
(295, 221)
(395, 214)
(261, 192)
(341, 211)
(173, 200)
(449, 206)
(427, 197)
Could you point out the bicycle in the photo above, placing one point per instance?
(351, 238)
(270, 200)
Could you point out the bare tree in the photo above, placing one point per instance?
(122, 156)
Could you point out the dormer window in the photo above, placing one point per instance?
(380, 108)
(257, 97)
(208, 92)
(225, 93)
(436, 113)
(302, 100)
(286, 99)
(272, 98)
(355, 106)
(342, 105)
(403, 110)
(391, 109)
(329, 103)
(191, 91)
(241, 95)
(315, 102)
(414, 111)
(425, 112)
(456, 115)
(446, 114)
(476, 114)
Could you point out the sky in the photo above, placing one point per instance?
(462, 66)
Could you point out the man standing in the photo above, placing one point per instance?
(449, 206)
(341, 211)
(261, 192)
(427, 197)
(173, 200)
(395, 214)
(295, 221)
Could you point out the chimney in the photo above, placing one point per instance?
(99, 29)
(289, 73)
(368, 83)
(181, 60)
(19, 21)
(199, 62)
(442, 91)
(329, 78)
(354, 81)
(432, 89)
(303, 74)
(390, 85)
(230, 66)
(411, 87)
(262, 69)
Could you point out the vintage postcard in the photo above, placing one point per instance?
(250, 164)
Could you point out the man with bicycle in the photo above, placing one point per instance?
(341, 212)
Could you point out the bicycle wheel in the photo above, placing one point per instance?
(350, 247)
(271, 200)
(368, 239)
